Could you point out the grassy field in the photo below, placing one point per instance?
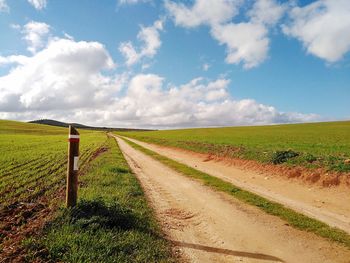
(111, 223)
(313, 145)
(33, 159)
(32, 176)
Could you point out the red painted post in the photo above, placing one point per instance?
(72, 170)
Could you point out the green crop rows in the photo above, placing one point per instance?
(112, 221)
(33, 159)
(325, 145)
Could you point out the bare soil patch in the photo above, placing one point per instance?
(22, 220)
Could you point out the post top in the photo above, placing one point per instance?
(72, 130)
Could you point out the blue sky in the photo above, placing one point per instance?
(267, 61)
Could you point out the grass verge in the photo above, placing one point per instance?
(314, 145)
(293, 218)
(111, 222)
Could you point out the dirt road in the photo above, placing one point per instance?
(207, 226)
(330, 205)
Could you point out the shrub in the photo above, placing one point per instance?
(282, 156)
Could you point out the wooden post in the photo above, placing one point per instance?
(72, 171)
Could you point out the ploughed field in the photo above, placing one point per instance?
(313, 145)
(32, 177)
(33, 159)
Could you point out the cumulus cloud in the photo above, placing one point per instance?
(266, 12)
(209, 12)
(323, 27)
(3, 6)
(197, 103)
(246, 42)
(150, 38)
(146, 100)
(38, 4)
(35, 34)
(75, 81)
(49, 81)
(13, 59)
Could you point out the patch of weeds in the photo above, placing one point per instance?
(310, 158)
(282, 156)
(340, 167)
(337, 164)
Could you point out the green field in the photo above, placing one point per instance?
(111, 222)
(33, 159)
(324, 145)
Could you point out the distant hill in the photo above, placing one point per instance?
(81, 126)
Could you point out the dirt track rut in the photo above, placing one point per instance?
(330, 205)
(207, 226)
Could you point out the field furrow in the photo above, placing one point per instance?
(34, 162)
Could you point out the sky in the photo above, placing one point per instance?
(173, 64)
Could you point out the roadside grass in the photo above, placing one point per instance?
(112, 221)
(316, 145)
(291, 217)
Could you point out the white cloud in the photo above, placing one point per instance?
(34, 34)
(196, 103)
(3, 6)
(129, 52)
(323, 27)
(132, 2)
(148, 100)
(145, 66)
(67, 80)
(205, 66)
(267, 12)
(14, 59)
(38, 4)
(15, 26)
(209, 12)
(64, 75)
(150, 38)
(66, 35)
(246, 42)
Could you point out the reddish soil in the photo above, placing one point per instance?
(317, 194)
(98, 152)
(319, 176)
(21, 220)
